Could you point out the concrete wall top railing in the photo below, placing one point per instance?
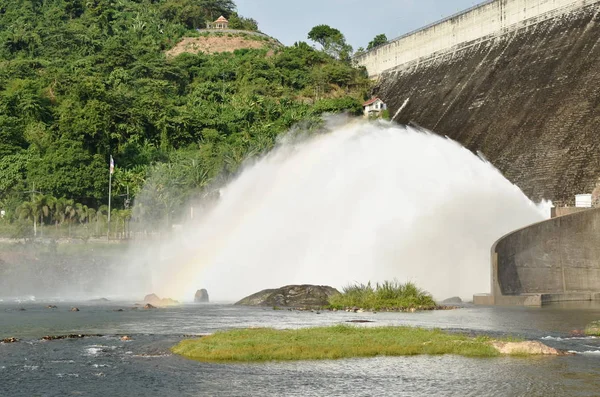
(488, 19)
(557, 257)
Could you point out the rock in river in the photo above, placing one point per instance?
(201, 296)
(453, 300)
(292, 296)
(154, 300)
(526, 348)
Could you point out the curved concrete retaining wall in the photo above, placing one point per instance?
(485, 21)
(554, 260)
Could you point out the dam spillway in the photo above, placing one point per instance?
(517, 80)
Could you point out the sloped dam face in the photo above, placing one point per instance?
(527, 97)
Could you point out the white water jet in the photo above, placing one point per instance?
(365, 202)
(400, 109)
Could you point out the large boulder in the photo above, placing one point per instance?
(526, 348)
(154, 300)
(296, 296)
(201, 296)
(454, 300)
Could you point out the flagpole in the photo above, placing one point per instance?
(110, 172)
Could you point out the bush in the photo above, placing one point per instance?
(387, 295)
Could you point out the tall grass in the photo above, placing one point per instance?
(386, 295)
(341, 341)
(593, 328)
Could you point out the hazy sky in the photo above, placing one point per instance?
(359, 20)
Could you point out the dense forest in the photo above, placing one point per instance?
(81, 81)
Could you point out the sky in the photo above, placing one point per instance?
(359, 20)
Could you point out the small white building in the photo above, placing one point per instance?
(583, 201)
(221, 23)
(373, 107)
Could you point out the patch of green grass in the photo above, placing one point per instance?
(341, 341)
(387, 295)
(593, 328)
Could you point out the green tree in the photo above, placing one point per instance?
(83, 80)
(377, 41)
(70, 213)
(60, 211)
(42, 205)
(28, 211)
(332, 41)
(239, 22)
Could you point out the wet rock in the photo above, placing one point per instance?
(21, 309)
(453, 301)
(99, 300)
(154, 300)
(74, 309)
(70, 336)
(51, 307)
(168, 302)
(201, 296)
(9, 340)
(149, 306)
(119, 310)
(297, 296)
(526, 348)
(360, 321)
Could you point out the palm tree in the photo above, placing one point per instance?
(125, 216)
(101, 215)
(43, 205)
(60, 206)
(82, 212)
(70, 212)
(91, 215)
(115, 216)
(28, 211)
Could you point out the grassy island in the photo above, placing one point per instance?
(389, 295)
(341, 341)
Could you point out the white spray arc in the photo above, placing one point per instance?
(365, 202)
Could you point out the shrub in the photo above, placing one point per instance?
(387, 295)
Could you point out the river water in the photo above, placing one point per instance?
(107, 366)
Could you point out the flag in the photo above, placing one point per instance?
(112, 166)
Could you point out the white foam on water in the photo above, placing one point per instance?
(588, 352)
(92, 351)
(95, 349)
(558, 338)
(68, 375)
(365, 202)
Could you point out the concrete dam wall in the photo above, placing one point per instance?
(517, 80)
(554, 260)
(486, 20)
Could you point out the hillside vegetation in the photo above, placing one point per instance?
(83, 80)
